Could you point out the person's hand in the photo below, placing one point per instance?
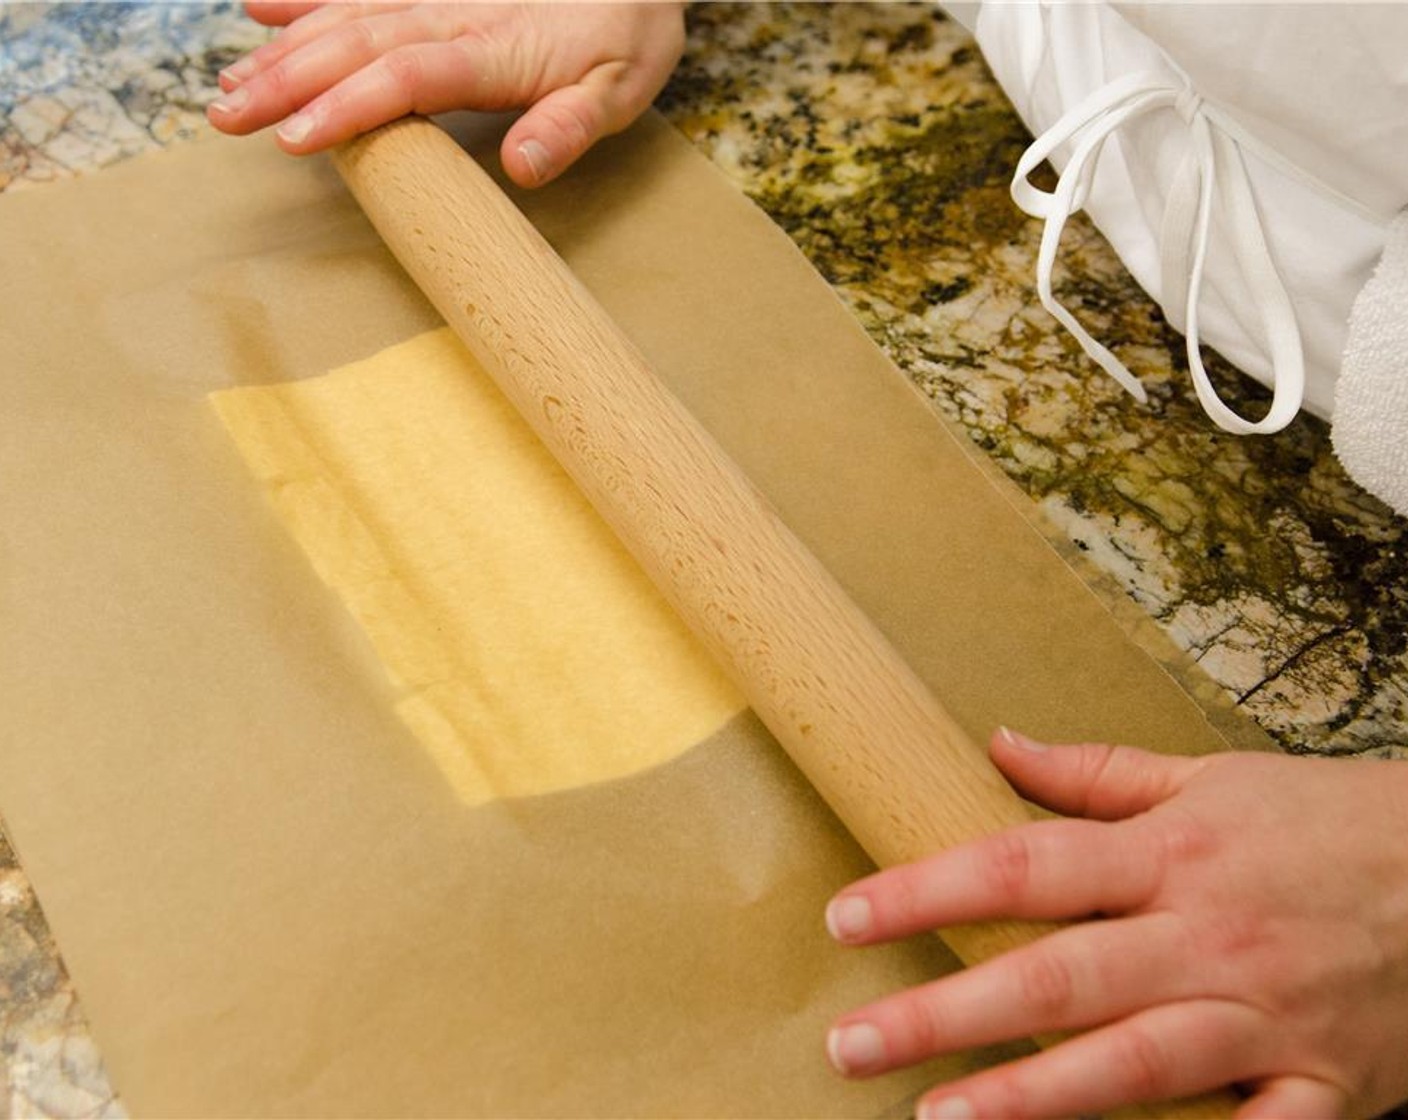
(582, 71)
(1252, 931)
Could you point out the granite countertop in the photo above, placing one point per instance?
(874, 135)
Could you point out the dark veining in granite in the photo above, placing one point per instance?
(885, 149)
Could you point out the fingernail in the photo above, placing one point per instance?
(536, 157)
(848, 917)
(231, 102)
(1013, 739)
(946, 1108)
(238, 71)
(856, 1048)
(295, 130)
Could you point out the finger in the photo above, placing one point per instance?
(559, 128)
(1165, 1053)
(425, 78)
(1049, 869)
(1091, 779)
(293, 82)
(1295, 1098)
(274, 13)
(1072, 979)
(318, 20)
(553, 135)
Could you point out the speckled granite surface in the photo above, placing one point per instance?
(874, 135)
(885, 150)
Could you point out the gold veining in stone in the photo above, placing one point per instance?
(887, 156)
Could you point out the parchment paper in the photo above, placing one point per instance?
(268, 897)
(531, 652)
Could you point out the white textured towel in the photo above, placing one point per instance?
(1370, 427)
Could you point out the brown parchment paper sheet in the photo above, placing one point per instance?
(268, 897)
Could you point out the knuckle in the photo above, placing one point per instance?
(572, 122)
(1005, 1095)
(359, 39)
(403, 67)
(265, 55)
(1100, 763)
(1174, 840)
(485, 69)
(1229, 933)
(1110, 775)
(676, 34)
(1046, 984)
(1006, 864)
(901, 900)
(922, 1025)
(277, 82)
(477, 33)
(1146, 1070)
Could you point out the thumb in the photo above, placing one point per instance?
(1294, 1098)
(276, 13)
(561, 126)
(1090, 779)
(553, 135)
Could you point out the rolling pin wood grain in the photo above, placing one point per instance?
(892, 764)
(867, 733)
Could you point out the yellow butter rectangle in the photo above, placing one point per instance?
(532, 652)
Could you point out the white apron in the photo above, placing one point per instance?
(1249, 164)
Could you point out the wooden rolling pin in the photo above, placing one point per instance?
(893, 765)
